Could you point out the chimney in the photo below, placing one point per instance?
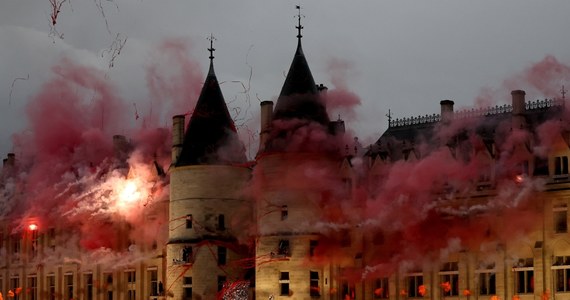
(336, 127)
(519, 109)
(266, 115)
(446, 110)
(322, 89)
(177, 136)
(11, 159)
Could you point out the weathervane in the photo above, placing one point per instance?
(299, 27)
(211, 38)
(389, 115)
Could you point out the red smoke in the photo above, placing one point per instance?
(340, 100)
(71, 172)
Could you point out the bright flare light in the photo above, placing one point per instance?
(130, 193)
(32, 227)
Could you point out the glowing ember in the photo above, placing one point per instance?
(32, 227)
(519, 179)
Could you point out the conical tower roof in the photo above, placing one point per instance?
(299, 97)
(211, 136)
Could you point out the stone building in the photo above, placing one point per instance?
(300, 220)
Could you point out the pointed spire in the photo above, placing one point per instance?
(299, 97)
(211, 136)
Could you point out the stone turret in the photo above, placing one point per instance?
(208, 212)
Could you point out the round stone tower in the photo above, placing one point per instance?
(209, 214)
(291, 178)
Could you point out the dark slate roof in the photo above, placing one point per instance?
(211, 136)
(396, 140)
(299, 97)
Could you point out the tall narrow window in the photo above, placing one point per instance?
(312, 246)
(222, 256)
(221, 282)
(283, 248)
(487, 279)
(315, 290)
(153, 282)
(561, 165)
(561, 268)
(524, 276)
(449, 277)
(221, 222)
(16, 242)
(109, 284)
(32, 287)
(413, 282)
(560, 212)
(34, 246)
(88, 284)
(188, 221)
(348, 291)
(68, 281)
(131, 284)
(284, 212)
(187, 254)
(14, 284)
(51, 286)
(284, 284)
(381, 288)
(187, 288)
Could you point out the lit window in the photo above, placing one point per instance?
(524, 276)
(449, 277)
(348, 291)
(284, 284)
(413, 283)
(33, 287)
(381, 288)
(14, 284)
(560, 212)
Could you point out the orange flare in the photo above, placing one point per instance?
(466, 293)
(422, 290)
